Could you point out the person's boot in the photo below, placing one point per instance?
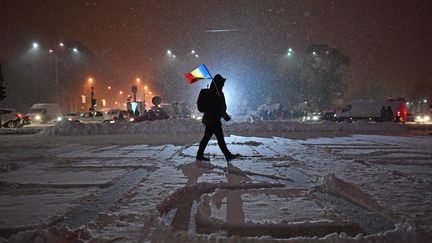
(202, 158)
(231, 157)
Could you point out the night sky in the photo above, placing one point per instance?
(389, 42)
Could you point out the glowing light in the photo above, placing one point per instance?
(196, 55)
(103, 102)
(169, 52)
(314, 53)
(193, 52)
(145, 87)
(51, 51)
(90, 80)
(138, 80)
(74, 49)
(109, 87)
(121, 92)
(61, 44)
(35, 45)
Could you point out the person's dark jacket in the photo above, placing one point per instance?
(217, 106)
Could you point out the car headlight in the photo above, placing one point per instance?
(315, 118)
(426, 118)
(132, 119)
(37, 118)
(59, 118)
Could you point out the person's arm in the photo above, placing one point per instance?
(224, 114)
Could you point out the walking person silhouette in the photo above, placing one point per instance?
(216, 109)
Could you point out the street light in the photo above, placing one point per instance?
(35, 45)
(55, 52)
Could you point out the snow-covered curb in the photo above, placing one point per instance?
(185, 126)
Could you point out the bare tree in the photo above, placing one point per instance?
(322, 73)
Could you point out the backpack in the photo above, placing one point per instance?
(203, 100)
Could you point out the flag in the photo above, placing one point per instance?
(200, 73)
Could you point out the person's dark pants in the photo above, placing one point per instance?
(216, 129)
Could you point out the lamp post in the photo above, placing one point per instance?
(56, 52)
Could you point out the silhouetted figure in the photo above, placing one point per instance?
(383, 114)
(215, 110)
(389, 113)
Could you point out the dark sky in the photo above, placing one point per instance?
(389, 42)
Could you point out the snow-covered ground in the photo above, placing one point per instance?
(325, 182)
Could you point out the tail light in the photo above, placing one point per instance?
(19, 115)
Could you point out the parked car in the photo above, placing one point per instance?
(117, 114)
(329, 116)
(10, 118)
(312, 117)
(70, 117)
(92, 117)
(26, 119)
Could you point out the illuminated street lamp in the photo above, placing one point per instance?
(121, 92)
(290, 52)
(35, 45)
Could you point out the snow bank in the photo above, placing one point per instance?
(183, 126)
(53, 234)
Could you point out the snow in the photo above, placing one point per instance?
(299, 183)
(180, 126)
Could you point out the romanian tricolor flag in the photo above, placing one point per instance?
(200, 73)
